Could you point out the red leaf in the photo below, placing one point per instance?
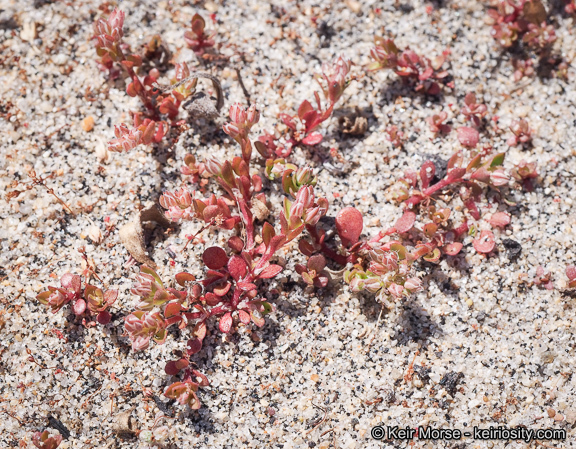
(104, 317)
(212, 299)
(288, 121)
(79, 307)
(571, 272)
(300, 268)
(317, 263)
(453, 248)
(200, 378)
(221, 291)
(500, 219)
(148, 133)
(211, 212)
(430, 229)
(184, 277)
(235, 243)
(257, 318)
(455, 160)
(215, 258)
(171, 369)
(194, 346)
(455, 173)
(270, 271)
(225, 323)
(312, 139)
(110, 296)
(71, 282)
(267, 233)
(468, 137)
(237, 267)
(246, 286)
(131, 90)
(482, 175)
(229, 223)
(405, 222)
(160, 132)
(305, 108)
(244, 317)
(349, 225)
(182, 363)
(200, 330)
(427, 172)
(172, 309)
(321, 281)
(485, 242)
(305, 247)
(434, 256)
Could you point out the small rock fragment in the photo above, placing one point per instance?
(259, 209)
(570, 414)
(95, 234)
(513, 248)
(132, 233)
(29, 32)
(355, 126)
(450, 381)
(123, 423)
(354, 6)
(88, 123)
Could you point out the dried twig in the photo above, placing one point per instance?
(241, 82)
(410, 370)
(39, 181)
(374, 330)
(325, 410)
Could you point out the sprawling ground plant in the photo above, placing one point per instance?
(161, 108)
(424, 74)
(524, 24)
(87, 302)
(439, 210)
(333, 80)
(521, 20)
(231, 291)
(427, 230)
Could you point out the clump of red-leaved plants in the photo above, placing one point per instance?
(233, 289)
(303, 126)
(87, 302)
(424, 74)
(525, 24)
(161, 108)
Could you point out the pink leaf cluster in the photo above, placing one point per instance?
(424, 73)
(89, 299)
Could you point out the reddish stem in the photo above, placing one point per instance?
(152, 112)
(440, 185)
(338, 258)
(248, 222)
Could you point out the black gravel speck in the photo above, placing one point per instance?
(59, 426)
(513, 247)
(450, 381)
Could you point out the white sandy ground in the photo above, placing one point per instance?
(322, 353)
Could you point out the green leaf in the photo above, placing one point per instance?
(497, 160)
(146, 269)
(401, 250)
